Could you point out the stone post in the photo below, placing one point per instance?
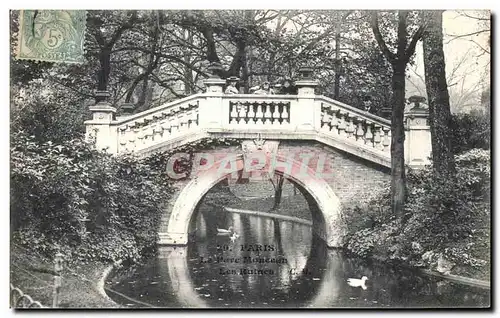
(127, 109)
(305, 114)
(418, 145)
(99, 127)
(212, 112)
(58, 267)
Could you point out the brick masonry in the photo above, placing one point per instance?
(354, 180)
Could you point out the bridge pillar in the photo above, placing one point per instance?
(211, 112)
(418, 145)
(306, 113)
(99, 127)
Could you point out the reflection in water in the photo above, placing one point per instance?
(173, 262)
(298, 271)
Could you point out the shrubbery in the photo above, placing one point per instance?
(88, 204)
(446, 218)
(469, 131)
(92, 205)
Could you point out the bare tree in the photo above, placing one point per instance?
(278, 191)
(482, 19)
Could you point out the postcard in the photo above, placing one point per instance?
(250, 159)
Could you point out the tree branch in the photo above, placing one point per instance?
(118, 32)
(413, 43)
(391, 57)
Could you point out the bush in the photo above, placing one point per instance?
(91, 205)
(445, 218)
(470, 131)
(94, 205)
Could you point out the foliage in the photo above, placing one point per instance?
(47, 114)
(151, 57)
(470, 131)
(90, 205)
(96, 206)
(445, 218)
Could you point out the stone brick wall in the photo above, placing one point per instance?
(353, 180)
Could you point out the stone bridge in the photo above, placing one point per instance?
(334, 153)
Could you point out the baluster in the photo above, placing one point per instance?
(360, 132)
(189, 115)
(174, 123)
(284, 114)
(342, 124)
(183, 122)
(326, 118)
(123, 145)
(148, 135)
(242, 114)
(259, 115)
(131, 144)
(122, 137)
(166, 127)
(125, 138)
(251, 114)
(334, 123)
(267, 114)
(193, 118)
(276, 114)
(157, 131)
(350, 126)
(386, 141)
(376, 137)
(368, 134)
(132, 137)
(140, 137)
(234, 114)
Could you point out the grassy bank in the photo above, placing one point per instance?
(32, 273)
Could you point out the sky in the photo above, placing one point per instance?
(467, 65)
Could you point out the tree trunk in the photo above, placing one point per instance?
(144, 95)
(398, 61)
(278, 192)
(244, 74)
(398, 180)
(437, 93)
(103, 74)
(188, 73)
(238, 59)
(336, 93)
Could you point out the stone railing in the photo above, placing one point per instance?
(343, 121)
(158, 124)
(259, 110)
(303, 116)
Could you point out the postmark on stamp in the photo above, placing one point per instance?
(52, 35)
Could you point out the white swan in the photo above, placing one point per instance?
(354, 282)
(224, 232)
(234, 237)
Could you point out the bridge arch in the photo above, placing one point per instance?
(328, 204)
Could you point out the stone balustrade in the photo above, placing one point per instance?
(259, 110)
(158, 125)
(343, 121)
(302, 116)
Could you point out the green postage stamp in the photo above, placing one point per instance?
(52, 35)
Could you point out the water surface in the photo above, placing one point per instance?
(278, 265)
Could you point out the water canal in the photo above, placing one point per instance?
(280, 266)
